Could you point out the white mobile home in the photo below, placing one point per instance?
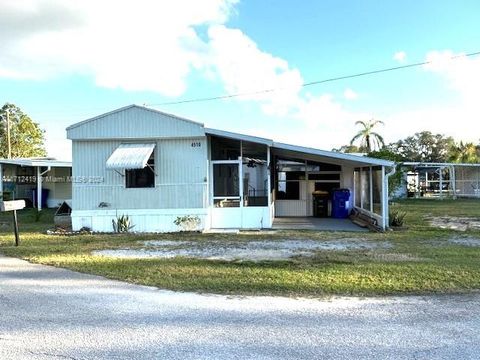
(156, 167)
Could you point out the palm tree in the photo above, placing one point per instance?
(467, 153)
(369, 139)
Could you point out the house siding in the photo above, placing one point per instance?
(180, 181)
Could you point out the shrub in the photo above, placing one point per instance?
(396, 218)
(122, 224)
(188, 222)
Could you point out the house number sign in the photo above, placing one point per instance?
(196, 144)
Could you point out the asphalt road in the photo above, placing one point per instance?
(49, 313)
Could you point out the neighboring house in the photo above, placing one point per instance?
(438, 180)
(42, 182)
(156, 167)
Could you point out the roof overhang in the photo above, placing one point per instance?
(36, 162)
(304, 152)
(236, 136)
(434, 164)
(328, 156)
(130, 156)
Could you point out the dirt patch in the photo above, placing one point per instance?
(243, 251)
(465, 241)
(455, 223)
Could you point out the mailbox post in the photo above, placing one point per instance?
(13, 205)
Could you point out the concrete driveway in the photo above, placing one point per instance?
(49, 313)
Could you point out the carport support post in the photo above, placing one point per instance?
(269, 182)
(441, 182)
(307, 195)
(361, 187)
(371, 189)
(384, 199)
(1, 182)
(39, 188)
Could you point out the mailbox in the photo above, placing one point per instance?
(12, 205)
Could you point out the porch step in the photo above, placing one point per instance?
(364, 221)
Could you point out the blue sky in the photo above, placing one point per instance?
(63, 62)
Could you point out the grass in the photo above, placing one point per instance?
(420, 261)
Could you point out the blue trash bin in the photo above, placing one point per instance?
(44, 198)
(340, 200)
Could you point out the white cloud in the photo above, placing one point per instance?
(400, 56)
(349, 94)
(152, 45)
(462, 73)
(458, 117)
(141, 45)
(244, 68)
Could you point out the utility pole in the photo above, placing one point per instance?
(8, 136)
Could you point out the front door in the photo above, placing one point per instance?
(227, 193)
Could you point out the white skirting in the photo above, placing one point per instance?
(162, 220)
(254, 217)
(145, 220)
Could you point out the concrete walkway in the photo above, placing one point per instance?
(313, 223)
(49, 313)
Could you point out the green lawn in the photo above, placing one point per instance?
(421, 259)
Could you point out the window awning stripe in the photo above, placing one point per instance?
(130, 156)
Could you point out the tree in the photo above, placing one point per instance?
(369, 139)
(26, 137)
(395, 181)
(348, 149)
(467, 153)
(423, 147)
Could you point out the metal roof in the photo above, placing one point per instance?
(130, 156)
(43, 162)
(333, 155)
(237, 136)
(129, 107)
(357, 159)
(434, 164)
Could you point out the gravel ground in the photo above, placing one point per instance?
(455, 223)
(49, 313)
(253, 250)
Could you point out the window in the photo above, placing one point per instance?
(324, 177)
(27, 174)
(288, 190)
(377, 190)
(226, 181)
(141, 178)
(225, 149)
(327, 186)
(365, 188)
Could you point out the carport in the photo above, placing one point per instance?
(260, 183)
(300, 173)
(313, 223)
(32, 178)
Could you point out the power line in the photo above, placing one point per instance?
(311, 83)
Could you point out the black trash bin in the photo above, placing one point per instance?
(320, 203)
